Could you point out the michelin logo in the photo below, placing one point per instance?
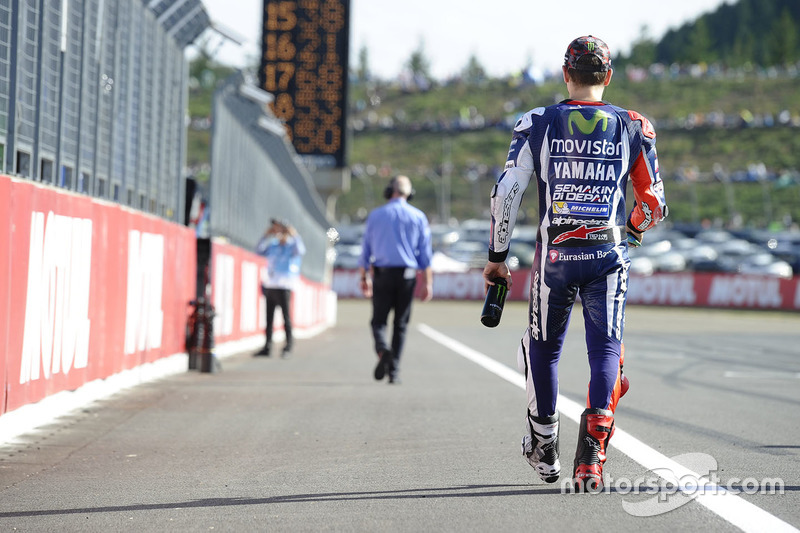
(579, 208)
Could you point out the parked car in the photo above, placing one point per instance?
(474, 230)
(350, 233)
(642, 265)
(661, 255)
(444, 263)
(525, 233)
(718, 264)
(766, 264)
(442, 236)
(714, 236)
(520, 255)
(786, 247)
(472, 253)
(694, 251)
(346, 255)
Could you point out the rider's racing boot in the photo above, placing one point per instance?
(596, 428)
(540, 446)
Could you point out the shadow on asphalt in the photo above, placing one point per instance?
(465, 491)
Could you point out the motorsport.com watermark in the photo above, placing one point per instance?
(687, 485)
(661, 490)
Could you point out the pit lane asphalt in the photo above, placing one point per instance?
(313, 443)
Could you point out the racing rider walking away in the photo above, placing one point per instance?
(580, 154)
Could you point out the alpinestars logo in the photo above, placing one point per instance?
(592, 443)
(584, 125)
(648, 217)
(535, 306)
(579, 233)
(508, 205)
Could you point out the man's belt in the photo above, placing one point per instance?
(383, 270)
(584, 235)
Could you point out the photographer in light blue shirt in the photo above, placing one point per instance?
(284, 250)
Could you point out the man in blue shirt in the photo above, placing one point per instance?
(397, 243)
(284, 249)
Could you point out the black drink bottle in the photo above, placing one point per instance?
(493, 306)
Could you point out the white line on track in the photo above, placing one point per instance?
(761, 374)
(730, 507)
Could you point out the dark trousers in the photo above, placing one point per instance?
(391, 291)
(279, 298)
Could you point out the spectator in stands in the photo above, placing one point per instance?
(397, 243)
(284, 249)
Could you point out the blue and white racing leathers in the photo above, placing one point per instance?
(580, 156)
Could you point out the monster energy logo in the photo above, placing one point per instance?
(590, 46)
(501, 294)
(586, 126)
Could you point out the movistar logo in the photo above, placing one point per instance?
(586, 126)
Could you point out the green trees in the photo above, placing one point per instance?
(782, 46)
(758, 32)
(473, 72)
(419, 64)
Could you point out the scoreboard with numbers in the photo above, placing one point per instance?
(304, 64)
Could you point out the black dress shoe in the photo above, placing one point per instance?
(264, 351)
(384, 360)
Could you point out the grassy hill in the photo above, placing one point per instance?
(689, 147)
(461, 131)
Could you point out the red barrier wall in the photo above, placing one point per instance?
(5, 282)
(684, 289)
(716, 290)
(87, 289)
(240, 307)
